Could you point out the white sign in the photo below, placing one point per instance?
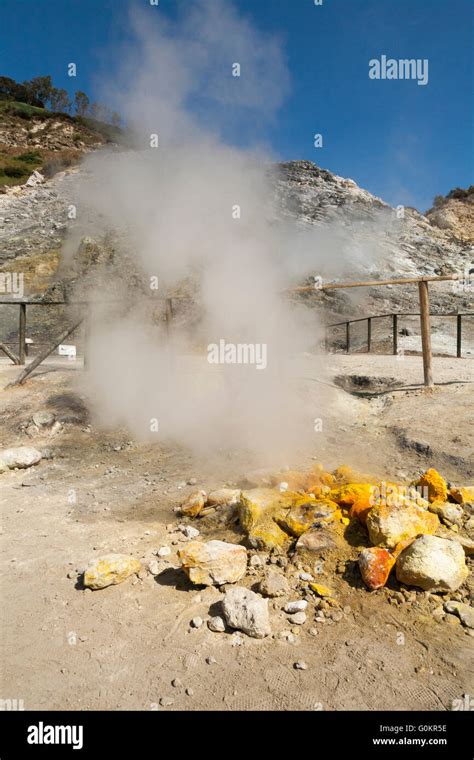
(69, 351)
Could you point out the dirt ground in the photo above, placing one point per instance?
(66, 647)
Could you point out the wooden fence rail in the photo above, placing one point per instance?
(395, 324)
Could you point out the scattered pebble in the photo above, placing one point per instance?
(288, 636)
(211, 660)
(176, 682)
(216, 624)
(166, 701)
(189, 691)
(297, 606)
(301, 665)
(197, 622)
(189, 531)
(164, 551)
(298, 618)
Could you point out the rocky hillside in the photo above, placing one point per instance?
(455, 214)
(34, 138)
(364, 236)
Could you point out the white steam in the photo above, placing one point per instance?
(199, 209)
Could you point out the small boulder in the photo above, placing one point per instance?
(43, 419)
(433, 564)
(436, 485)
(110, 570)
(257, 511)
(303, 516)
(224, 497)
(213, 562)
(375, 564)
(463, 495)
(247, 611)
(464, 612)
(317, 541)
(267, 536)
(450, 514)
(274, 584)
(21, 457)
(389, 525)
(193, 505)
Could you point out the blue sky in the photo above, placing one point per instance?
(402, 141)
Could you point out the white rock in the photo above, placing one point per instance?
(34, 179)
(22, 457)
(464, 611)
(297, 606)
(165, 551)
(189, 531)
(246, 611)
(43, 419)
(153, 567)
(433, 564)
(298, 618)
(216, 624)
(301, 665)
(213, 562)
(197, 622)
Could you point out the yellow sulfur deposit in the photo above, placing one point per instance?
(194, 504)
(304, 514)
(267, 535)
(388, 525)
(348, 493)
(295, 480)
(462, 495)
(263, 502)
(320, 590)
(110, 570)
(436, 485)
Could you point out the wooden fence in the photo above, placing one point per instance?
(395, 317)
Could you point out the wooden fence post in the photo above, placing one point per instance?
(22, 334)
(395, 333)
(169, 314)
(44, 354)
(348, 337)
(426, 332)
(9, 353)
(369, 334)
(459, 336)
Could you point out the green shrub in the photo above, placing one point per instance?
(30, 157)
(12, 170)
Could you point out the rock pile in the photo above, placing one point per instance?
(297, 520)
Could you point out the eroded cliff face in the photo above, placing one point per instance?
(365, 237)
(455, 216)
